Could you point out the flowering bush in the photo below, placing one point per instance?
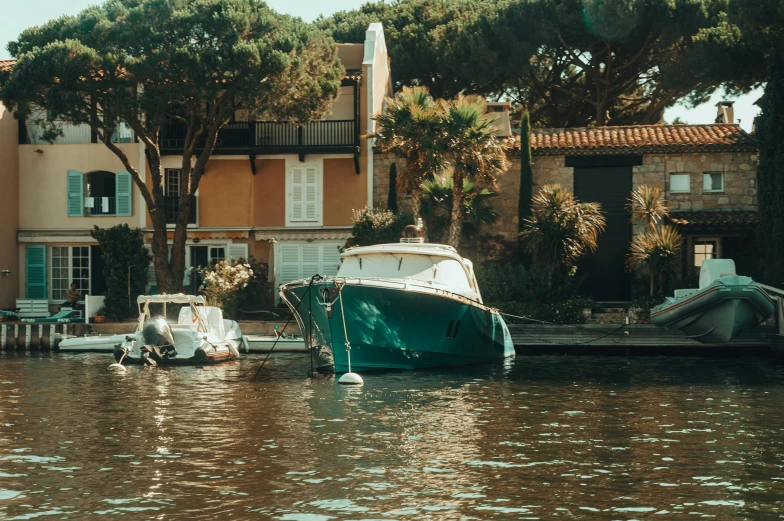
(225, 280)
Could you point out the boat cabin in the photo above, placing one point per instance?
(432, 264)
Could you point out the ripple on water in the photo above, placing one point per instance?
(546, 438)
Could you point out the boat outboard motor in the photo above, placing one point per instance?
(158, 341)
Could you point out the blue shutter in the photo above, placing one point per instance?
(75, 194)
(124, 193)
(35, 272)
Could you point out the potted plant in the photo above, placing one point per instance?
(100, 315)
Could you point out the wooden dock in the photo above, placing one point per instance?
(633, 339)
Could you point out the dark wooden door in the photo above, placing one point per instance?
(607, 279)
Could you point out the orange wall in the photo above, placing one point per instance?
(9, 203)
(344, 191)
(269, 192)
(226, 194)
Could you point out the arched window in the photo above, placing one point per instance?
(102, 190)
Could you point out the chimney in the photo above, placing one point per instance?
(502, 124)
(725, 112)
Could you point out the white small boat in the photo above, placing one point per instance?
(285, 343)
(200, 335)
(91, 343)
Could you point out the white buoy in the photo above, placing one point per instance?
(350, 379)
(118, 365)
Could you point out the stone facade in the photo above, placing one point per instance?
(739, 171)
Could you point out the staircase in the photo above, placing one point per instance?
(609, 313)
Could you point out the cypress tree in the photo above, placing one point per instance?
(770, 186)
(526, 170)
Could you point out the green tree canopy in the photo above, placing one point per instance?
(571, 62)
(151, 62)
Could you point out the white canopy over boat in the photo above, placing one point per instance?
(436, 265)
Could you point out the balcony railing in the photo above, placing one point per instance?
(269, 137)
(172, 205)
(101, 205)
(32, 134)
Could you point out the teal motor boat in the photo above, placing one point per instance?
(722, 308)
(410, 305)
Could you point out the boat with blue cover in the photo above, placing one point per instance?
(411, 305)
(724, 306)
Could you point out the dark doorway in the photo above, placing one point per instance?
(611, 186)
(97, 278)
(199, 259)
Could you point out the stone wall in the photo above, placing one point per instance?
(739, 168)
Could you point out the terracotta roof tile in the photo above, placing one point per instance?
(639, 138)
(6, 64)
(734, 219)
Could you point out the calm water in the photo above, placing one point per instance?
(537, 438)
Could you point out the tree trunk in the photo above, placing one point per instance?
(456, 219)
(160, 248)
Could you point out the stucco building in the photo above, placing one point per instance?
(280, 192)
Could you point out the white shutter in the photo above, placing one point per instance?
(238, 251)
(297, 194)
(311, 260)
(290, 266)
(311, 194)
(330, 259)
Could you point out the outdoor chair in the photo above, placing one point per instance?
(60, 316)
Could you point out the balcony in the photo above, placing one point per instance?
(172, 206)
(272, 137)
(101, 205)
(31, 134)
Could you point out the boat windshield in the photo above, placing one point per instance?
(427, 268)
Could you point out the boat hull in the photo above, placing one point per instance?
(394, 327)
(717, 313)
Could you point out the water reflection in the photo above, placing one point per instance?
(536, 438)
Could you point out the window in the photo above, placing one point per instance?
(713, 182)
(171, 182)
(101, 193)
(70, 264)
(680, 183)
(217, 254)
(704, 249)
(303, 195)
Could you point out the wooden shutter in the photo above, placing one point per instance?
(75, 194)
(35, 271)
(330, 259)
(311, 260)
(238, 251)
(124, 193)
(311, 194)
(289, 266)
(297, 194)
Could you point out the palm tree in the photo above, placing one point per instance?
(658, 248)
(647, 205)
(408, 127)
(560, 229)
(467, 137)
(437, 196)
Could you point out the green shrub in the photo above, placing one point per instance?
(377, 226)
(514, 282)
(565, 312)
(125, 260)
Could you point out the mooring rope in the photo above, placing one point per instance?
(604, 335)
(307, 294)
